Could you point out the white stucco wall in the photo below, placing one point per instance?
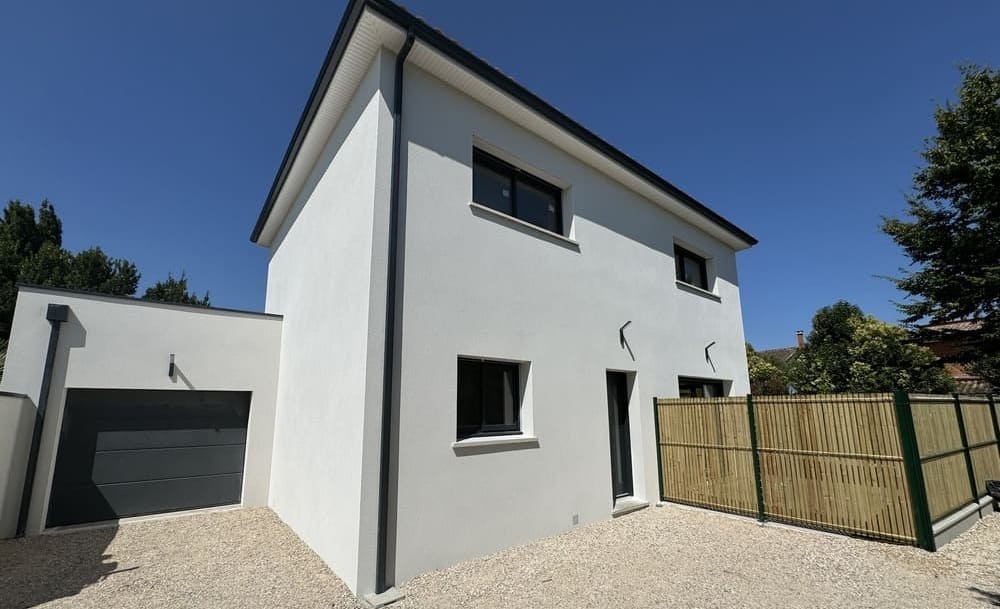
(481, 286)
(17, 418)
(114, 343)
(326, 276)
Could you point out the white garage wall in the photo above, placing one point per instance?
(123, 343)
(482, 286)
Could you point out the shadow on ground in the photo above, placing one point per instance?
(35, 570)
(986, 596)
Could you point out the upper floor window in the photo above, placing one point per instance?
(691, 268)
(509, 190)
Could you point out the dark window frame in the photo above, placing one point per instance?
(484, 429)
(680, 255)
(717, 383)
(516, 174)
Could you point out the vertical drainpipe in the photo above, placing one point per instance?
(388, 367)
(56, 315)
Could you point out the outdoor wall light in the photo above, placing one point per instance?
(170, 368)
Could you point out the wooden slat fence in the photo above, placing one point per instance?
(706, 455)
(834, 462)
(874, 465)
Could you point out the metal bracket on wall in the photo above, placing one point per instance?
(623, 341)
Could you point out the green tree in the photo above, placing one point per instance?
(31, 252)
(49, 225)
(848, 351)
(94, 271)
(827, 365)
(175, 290)
(952, 230)
(767, 377)
(50, 266)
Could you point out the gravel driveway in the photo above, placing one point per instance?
(679, 557)
(232, 559)
(659, 557)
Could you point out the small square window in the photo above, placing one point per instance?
(514, 192)
(489, 400)
(691, 268)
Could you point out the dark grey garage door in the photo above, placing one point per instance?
(133, 452)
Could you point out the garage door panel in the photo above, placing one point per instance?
(112, 501)
(133, 452)
(160, 463)
(168, 438)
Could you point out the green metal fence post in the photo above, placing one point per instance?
(659, 450)
(965, 447)
(993, 415)
(914, 471)
(758, 483)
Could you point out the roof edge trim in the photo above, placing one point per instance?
(451, 49)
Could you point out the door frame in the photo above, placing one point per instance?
(623, 458)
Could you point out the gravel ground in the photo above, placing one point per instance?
(678, 557)
(232, 559)
(659, 557)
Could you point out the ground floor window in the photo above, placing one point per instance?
(489, 400)
(699, 388)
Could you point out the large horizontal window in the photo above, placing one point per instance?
(699, 388)
(691, 268)
(509, 190)
(489, 400)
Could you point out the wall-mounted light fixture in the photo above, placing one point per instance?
(170, 368)
(708, 358)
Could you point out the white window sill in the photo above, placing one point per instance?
(687, 287)
(477, 208)
(494, 443)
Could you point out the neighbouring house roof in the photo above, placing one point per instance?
(440, 44)
(965, 381)
(782, 354)
(961, 325)
(945, 340)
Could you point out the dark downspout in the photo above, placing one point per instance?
(388, 366)
(56, 315)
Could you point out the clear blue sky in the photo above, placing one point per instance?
(156, 128)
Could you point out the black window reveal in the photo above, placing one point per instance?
(509, 190)
(700, 388)
(691, 268)
(489, 400)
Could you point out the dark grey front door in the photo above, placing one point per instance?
(126, 452)
(621, 444)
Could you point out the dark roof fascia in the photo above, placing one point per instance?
(480, 68)
(143, 301)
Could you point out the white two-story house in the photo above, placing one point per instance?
(481, 299)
